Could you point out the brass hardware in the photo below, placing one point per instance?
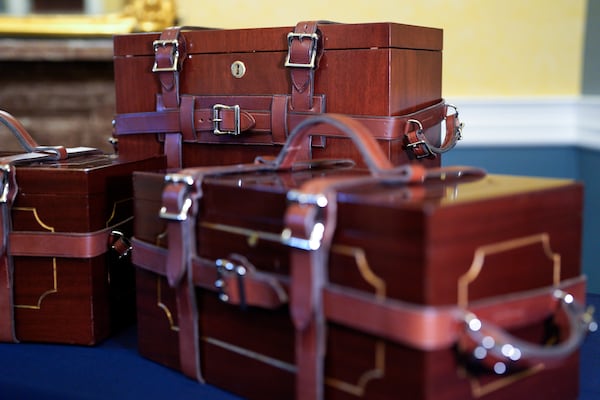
(238, 69)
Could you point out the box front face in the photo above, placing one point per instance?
(362, 81)
(70, 299)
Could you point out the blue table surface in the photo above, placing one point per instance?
(115, 370)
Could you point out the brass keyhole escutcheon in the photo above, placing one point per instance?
(238, 69)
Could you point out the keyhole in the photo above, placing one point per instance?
(238, 69)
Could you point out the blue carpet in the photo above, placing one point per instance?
(114, 370)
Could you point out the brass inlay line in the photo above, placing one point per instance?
(163, 306)
(252, 235)
(46, 293)
(479, 390)
(54, 288)
(114, 210)
(251, 354)
(483, 251)
(363, 267)
(377, 372)
(357, 253)
(36, 217)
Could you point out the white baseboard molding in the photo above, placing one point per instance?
(560, 121)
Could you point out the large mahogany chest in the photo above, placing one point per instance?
(426, 249)
(217, 96)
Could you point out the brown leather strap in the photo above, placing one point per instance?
(255, 288)
(27, 142)
(271, 115)
(180, 199)
(421, 147)
(8, 194)
(169, 54)
(305, 47)
(62, 244)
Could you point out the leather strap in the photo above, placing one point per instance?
(169, 54)
(180, 198)
(9, 191)
(271, 116)
(421, 147)
(256, 288)
(305, 47)
(27, 142)
(63, 244)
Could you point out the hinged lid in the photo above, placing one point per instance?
(335, 37)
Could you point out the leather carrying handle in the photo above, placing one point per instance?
(491, 346)
(298, 145)
(27, 142)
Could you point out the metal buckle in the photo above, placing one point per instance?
(217, 108)
(120, 244)
(182, 214)
(4, 182)
(422, 142)
(459, 127)
(174, 55)
(225, 267)
(318, 230)
(313, 49)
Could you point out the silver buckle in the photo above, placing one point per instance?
(413, 145)
(217, 108)
(225, 267)
(174, 55)
(313, 49)
(459, 127)
(4, 182)
(182, 214)
(318, 229)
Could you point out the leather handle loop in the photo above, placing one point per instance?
(495, 348)
(370, 151)
(27, 142)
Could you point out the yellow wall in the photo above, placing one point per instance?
(492, 48)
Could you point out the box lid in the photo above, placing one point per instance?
(335, 37)
(80, 175)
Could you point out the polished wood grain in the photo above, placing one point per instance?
(74, 300)
(379, 69)
(417, 242)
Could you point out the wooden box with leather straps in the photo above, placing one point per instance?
(291, 278)
(220, 96)
(67, 219)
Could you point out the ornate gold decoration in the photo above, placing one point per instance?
(54, 288)
(136, 16)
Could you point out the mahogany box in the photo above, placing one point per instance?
(406, 266)
(219, 96)
(67, 274)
